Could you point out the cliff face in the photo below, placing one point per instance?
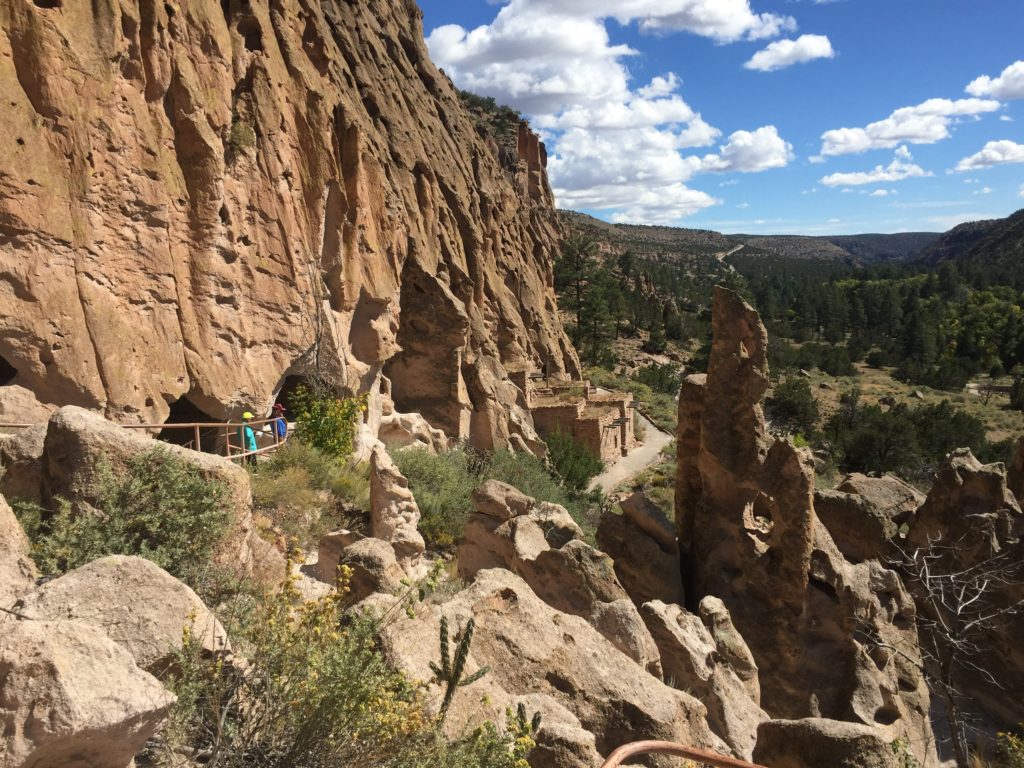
(202, 199)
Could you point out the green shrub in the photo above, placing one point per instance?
(793, 406)
(572, 461)
(1009, 751)
(315, 692)
(660, 378)
(326, 422)
(240, 137)
(161, 508)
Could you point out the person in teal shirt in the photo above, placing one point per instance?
(247, 437)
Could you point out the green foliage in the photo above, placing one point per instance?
(660, 378)
(901, 750)
(793, 406)
(160, 507)
(444, 483)
(315, 692)
(240, 137)
(500, 121)
(452, 670)
(325, 422)
(659, 407)
(572, 461)
(306, 493)
(1009, 751)
(1017, 395)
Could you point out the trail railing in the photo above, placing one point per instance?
(699, 756)
(218, 436)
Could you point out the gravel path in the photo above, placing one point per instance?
(636, 461)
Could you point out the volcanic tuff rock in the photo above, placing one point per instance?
(541, 543)
(199, 200)
(1015, 474)
(72, 697)
(393, 511)
(816, 743)
(135, 603)
(531, 648)
(17, 571)
(817, 625)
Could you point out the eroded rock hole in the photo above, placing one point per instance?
(183, 412)
(47, 3)
(887, 715)
(251, 32)
(7, 372)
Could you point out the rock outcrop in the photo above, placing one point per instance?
(693, 662)
(964, 557)
(72, 697)
(533, 649)
(21, 463)
(17, 571)
(1015, 474)
(816, 743)
(642, 543)
(816, 624)
(77, 440)
(394, 514)
(215, 197)
(374, 565)
(135, 603)
(540, 543)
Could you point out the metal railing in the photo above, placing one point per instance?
(219, 441)
(700, 756)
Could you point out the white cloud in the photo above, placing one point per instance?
(750, 152)
(785, 53)
(834, 221)
(993, 153)
(743, 206)
(900, 168)
(972, 181)
(925, 123)
(1008, 85)
(983, 191)
(613, 145)
(729, 183)
(1020, 192)
(882, 193)
(1006, 118)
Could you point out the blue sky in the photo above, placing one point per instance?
(765, 116)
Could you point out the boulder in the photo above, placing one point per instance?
(899, 500)
(860, 529)
(19, 405)
(17, 571)
(532, 648)
(394, 514)
(512, 531)
(729, 644)
(21, 463)
(72, 697)
(374, 565)
(642, 543)
(77, 439)
(135, 603)
(692, 662)
(816, 743)
(562, 742)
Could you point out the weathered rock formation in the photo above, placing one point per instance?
(964, 558)
(135, 603)
(374, 565)
(540, 543)
(21, 465)
(816, 743)
(533, 649)
(17, 571)
(700, 661)
(201, 200)
(642, 543)
(1015, 474)
(817, 625)
(863, 514)
(394, 513)
(72, 697)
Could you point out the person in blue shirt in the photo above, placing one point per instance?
(247, 437)
(280, 422)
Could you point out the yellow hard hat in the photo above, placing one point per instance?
(247, 415)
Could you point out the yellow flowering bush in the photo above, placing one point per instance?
(327, 422)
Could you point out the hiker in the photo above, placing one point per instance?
(280, 423)
(247, 437)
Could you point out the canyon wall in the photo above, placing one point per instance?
(200, 200)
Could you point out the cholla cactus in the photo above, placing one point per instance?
(452, 669)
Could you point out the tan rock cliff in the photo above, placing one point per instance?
(199, 200)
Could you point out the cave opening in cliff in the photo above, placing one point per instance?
(7, 372)
(289, 387)
(184, 411)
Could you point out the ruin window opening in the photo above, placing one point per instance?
(183, 411)
(7, 372)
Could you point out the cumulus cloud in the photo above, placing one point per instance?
(993, 153)
(1008, 85)
(882, 193)
(983, 191)
(900, 168)
(785, 53)
(1006, 118)
(925, 123)
(613, 145)
(1020, 192)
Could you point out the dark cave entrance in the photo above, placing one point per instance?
(7, 372)
(183, 411)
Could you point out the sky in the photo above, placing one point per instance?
(758, 116)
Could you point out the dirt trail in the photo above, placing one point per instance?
(636, 461)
